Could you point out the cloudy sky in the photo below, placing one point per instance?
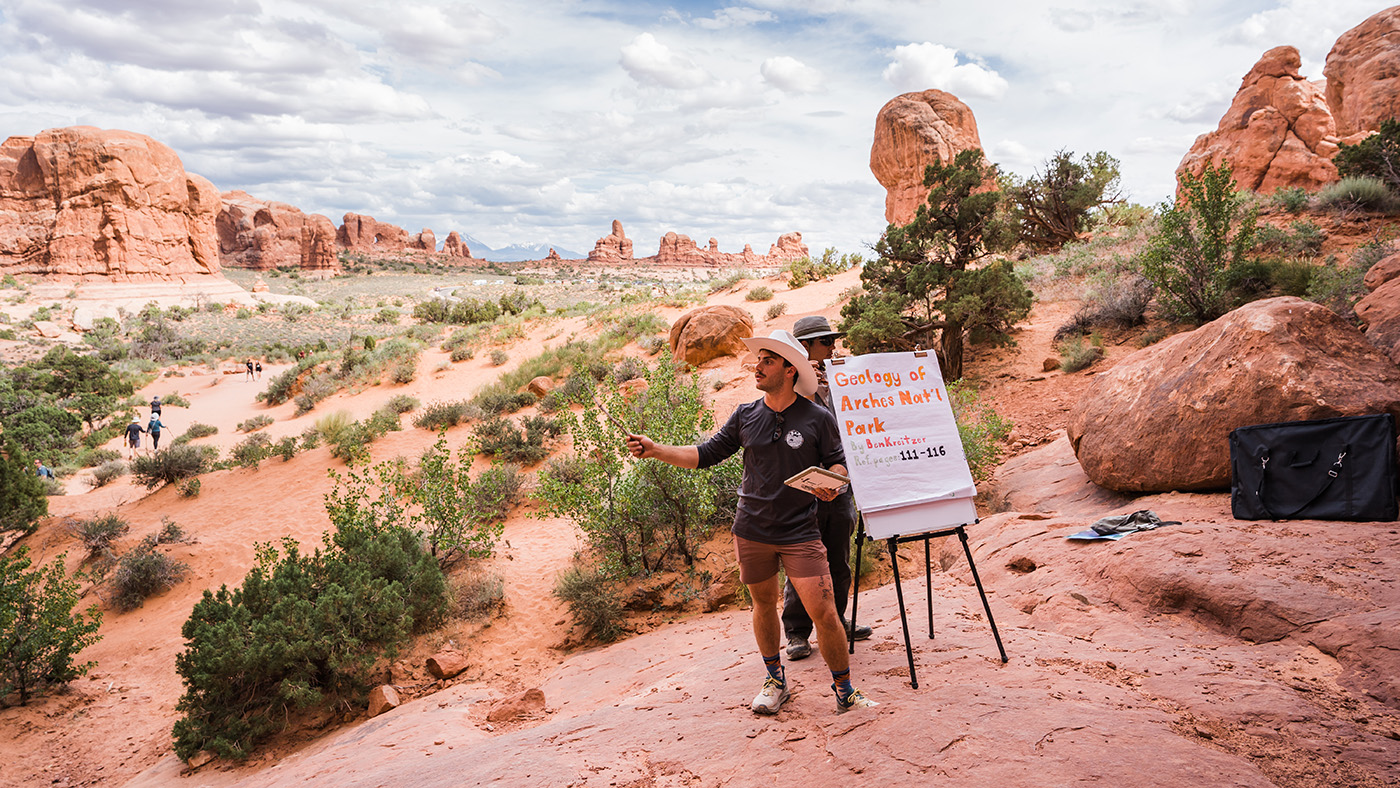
(525, 122)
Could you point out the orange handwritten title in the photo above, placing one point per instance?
(871, 401)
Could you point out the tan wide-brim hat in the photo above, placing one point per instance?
(786, 345)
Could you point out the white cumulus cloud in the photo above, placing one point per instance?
(791, 75)
(927, 65)
(651, 62)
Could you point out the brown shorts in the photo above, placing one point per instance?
(759, 561)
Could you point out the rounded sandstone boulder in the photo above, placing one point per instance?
(710, 332)
(1160, 420)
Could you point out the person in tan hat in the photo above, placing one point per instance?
(836, 519)
(781, 434)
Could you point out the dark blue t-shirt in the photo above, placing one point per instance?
(776, 447)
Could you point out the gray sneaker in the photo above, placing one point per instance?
(798, 648)
(774, 694)
(856, 700)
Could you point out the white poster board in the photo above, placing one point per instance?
(908, 472)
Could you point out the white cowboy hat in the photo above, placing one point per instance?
(786, 345)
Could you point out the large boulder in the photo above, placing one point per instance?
(262, 234)
(913, 131)
(1278, 131)
(1160, 420)
(612, 248)
(319, 249)
(709, 332)
(454, 246)
(1363, 74)
(1380, 310)
(104, 205)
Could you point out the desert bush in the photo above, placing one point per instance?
(477, 595)
(1119, 302)
(170, 532)
(728, 281)
(498, 399)
(628, 369)
(760, 293)
(402, 403)
(1358, 194)
(980, 429)
(1377, 156)
(1052, 207)
(462, 354)
(1263, 277)
(303, 631)
(333, 426)
(499, 437)
(592, 602)
(106, 473)
(441, 415)
(1198, 240)
(189, 488)
(1302, 239)
(805, 269)
(499, 357)
(252, 450)
(197, 430)
(143, 572)
(1077, 354)
(40, 636)
(640, 516)
(171, 465)
(1293, 200)
(90, 458)
(403, 372)
(174, 400)
(776, 310)
(1339, 285)
(97, 533)
(387, 316)
(255, 423)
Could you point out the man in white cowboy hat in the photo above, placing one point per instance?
(836, 519)
(781, 434)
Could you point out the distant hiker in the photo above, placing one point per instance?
(133, 436)
(257, 368)
(155, 406)
(249, 365)
(780, 434)
(154, 427)
(42, 471)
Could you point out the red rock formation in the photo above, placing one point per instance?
(789, 247)
(913, 131)
(1380, 310)
(365, 233)
(1278, 131)
(424, 240)
(94, 203)
(710, 332)
(454, 247)
(679, 250)
(1363, 74)
(1160, 419)
(319, 249)
(612, 248)
(260, 234)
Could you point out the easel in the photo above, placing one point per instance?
(893, 542)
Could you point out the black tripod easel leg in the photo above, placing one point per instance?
(903, 619)
(928, 586)
(962, 536)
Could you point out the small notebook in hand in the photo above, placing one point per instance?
(814, 478)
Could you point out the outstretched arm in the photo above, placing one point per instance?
(679, 456)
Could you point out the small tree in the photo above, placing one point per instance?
(923, 284)
(39, 633)
(1199, 239)
(1377, 156)
(1051, 208)
(22, 498)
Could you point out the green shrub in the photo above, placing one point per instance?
(640, 516)
(499, 437)
(1338, 286)
(39, 634)
(498, 398)
(97, 533)
(90, 458)
(189, 488)
(286, 448)
(387, 317)
(805, 270)
(1265, 277)
(303, 631)
(252, 450)
(1053, 206)
(592, 602)
(441, 415)
(197, 430)
(980, 428)
(174, 400)
(1293, 200)
(760, 293)
(1302, 239)
(1377, 156)
(255, 423)
(1197, 241)
(170, 532)
(402, 403)
(1119, 302)
(1076, 354)
(172, 465)
(1358, 194)
(728, 281)
(477, 595)
(333, 427)
(106, 473)
(499, 357)
(462, 354)
(403, 372)
(144, 572)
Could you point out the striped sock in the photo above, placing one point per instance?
(841, 680)
(774, 664)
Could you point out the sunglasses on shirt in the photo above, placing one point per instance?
(778, 430)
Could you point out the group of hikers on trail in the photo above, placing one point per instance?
(152, 428)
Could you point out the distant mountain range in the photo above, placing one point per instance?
(516, 252)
